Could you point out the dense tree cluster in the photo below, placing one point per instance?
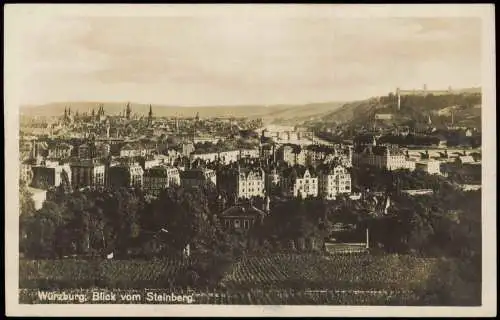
(378, 180)
(125, 222)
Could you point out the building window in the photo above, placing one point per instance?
(246, 224)
(237, 223)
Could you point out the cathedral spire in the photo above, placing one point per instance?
(128, 110)
(150, 115)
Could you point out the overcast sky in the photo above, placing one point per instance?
(244, 59)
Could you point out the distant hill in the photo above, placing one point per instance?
(270, 114)
(465, 103)
(296, 114)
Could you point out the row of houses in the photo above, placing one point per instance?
(290, 154)
(326, 181)
(313, 155)
(225, 157)
(94, 149)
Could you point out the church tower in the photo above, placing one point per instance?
(150, 115)
(128, 111)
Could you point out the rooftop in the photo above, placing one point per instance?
(158, 171)
(198, 173)
(245, 210)
(87, 163)
(298, 171)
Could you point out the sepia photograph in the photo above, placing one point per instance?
(281, 159)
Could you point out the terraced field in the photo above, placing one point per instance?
(300, 279)
(99, 273)
(350, 271)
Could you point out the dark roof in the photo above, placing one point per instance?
(248, 171)
(380, 150)
(243, 211)
(61, 145)
(87, 163)
(320, 148)
(158, 171)
(298, 171)
(193, 174)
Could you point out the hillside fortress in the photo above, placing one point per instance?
(422, 92)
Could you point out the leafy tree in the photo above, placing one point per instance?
(42, 229)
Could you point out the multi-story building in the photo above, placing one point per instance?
(204, 156)
(249, 182)
(86, 151)
(249, 153)
(300, 181)
(198, 177)
(126, 175)
(230, 156)
(430, 166)
(92, 150)
(161, 177)
(87, 173)
(169, 157)
(26, 173)
(50, 174)
(25, 150)
(343, 154)
(59, 151)
(187, 149)
(225, 157)
(292, 154)
(287, 154)
(150, 162)
(387, 157)
(319, 154)
(334, 180)
(136, 150)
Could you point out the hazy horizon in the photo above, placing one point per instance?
(251, 58)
